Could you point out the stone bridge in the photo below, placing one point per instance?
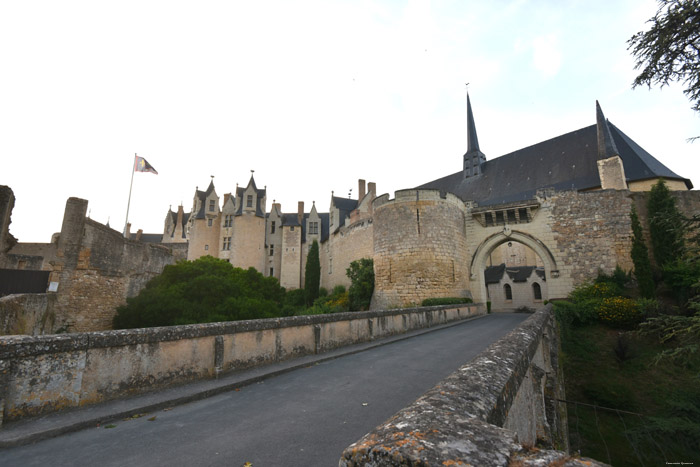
(486, 413)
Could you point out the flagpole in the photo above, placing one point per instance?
(133, 169)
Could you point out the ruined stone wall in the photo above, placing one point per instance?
(420, 248)
(32, 314)
(248, 248)
(352, 242)
(50, 373)
(96, 269)
(7, 203)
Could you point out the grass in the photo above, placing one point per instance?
(610, 368)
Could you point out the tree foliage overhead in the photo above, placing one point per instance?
(670, 50)
(361, 274)
(312, 274)
(202, 291)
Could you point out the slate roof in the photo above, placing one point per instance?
(148, 238)
(202, 196)
(345, 206)
(260, 194)
(494, 274)
(567, 162)
(185, 218)
(293, 220)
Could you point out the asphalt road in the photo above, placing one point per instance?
(302, 418)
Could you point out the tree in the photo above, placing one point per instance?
(670, 50)
(202, 291)
(640, 258)
(361, 274)
(665, 225)
(312, 275)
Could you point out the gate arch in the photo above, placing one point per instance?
(478, 263)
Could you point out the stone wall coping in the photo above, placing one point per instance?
(25, 346)
(409, 195)
(460, 419)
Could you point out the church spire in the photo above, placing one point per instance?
(474, 158)
(606, 144)
(472, 140)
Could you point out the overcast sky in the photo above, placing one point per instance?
(312, 95)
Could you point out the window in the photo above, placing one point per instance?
(249, 202)
(212, 205)
(272, 227)
(537, 291)
(511, 216)
(508, 292)
(522, 214)
(291, 228)
(227, 243)
(330, 266)
(272, 251)
(210, 222)
(313, 228)
(206, 247)
(272, 272)
(489, 219)
(499, 218)
(228, 220)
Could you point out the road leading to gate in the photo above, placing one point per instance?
(302, 418)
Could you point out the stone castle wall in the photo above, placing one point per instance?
(350, 243)
(291, 254)
(420, 248)
(249, 240)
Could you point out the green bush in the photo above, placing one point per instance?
(312, 274)
(361, 274)
(202, 291)
(446, 301)
(618, 312)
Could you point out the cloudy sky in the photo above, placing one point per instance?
(312, 95)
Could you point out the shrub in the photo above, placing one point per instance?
(312, 274)
(361, 274)
(596, 290)
(665, 225)
(446, 301)
(640, 258)
(618, 312)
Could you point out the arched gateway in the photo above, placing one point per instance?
(477, 284)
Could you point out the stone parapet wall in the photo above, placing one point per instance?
(49, 373)
(483, 413)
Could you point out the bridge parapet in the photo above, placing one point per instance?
(44, 374)
(490, 412)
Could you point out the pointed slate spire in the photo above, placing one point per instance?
(472, 140)
(606, 144)
(473, 157)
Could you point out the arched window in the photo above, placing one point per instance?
(508, 292)
(537, 291)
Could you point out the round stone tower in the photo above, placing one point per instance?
(420, 248)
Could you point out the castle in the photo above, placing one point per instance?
(553, 214)
(438, 238)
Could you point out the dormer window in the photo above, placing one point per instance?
(212, 205)
(249, 201)
(313, 228)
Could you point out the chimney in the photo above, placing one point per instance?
(226, 197)
(360, 189)
(127, 234)
(138, 235)
(277, 206)
(300, 213)
(372, 187)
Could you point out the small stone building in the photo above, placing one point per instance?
(509, 288)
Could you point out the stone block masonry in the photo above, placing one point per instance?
(485, 412)
(49, 373)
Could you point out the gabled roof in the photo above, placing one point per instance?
(185, 218)
(345, 206)
(202, 196)
(148, 238)
(567, 162)
(259, 195)
(494, 274)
